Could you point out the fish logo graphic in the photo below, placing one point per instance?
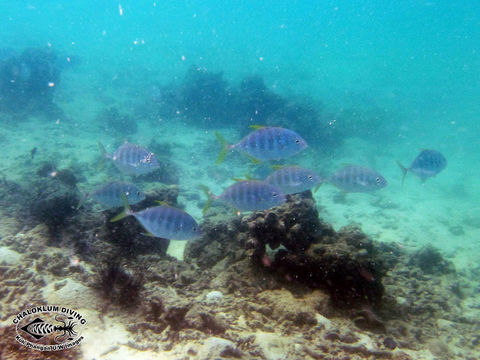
(38, 328)
(49, 328)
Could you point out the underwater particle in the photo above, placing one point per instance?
(427, 164)
(131, 159)
(293, 179)
(353, 178)
(248, 195)
(110, 194)
(164, 222)
(46, 169)
(265, 143)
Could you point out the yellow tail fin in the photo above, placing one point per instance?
(225, 147)
(104, 158)
(209, 194)
(125, 212)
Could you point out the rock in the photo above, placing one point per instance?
(272, 346)
(213, 297)
(9, 257)
(389, 343)
(53, 201)
(215, 347)
(203, 318)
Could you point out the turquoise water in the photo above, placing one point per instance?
(382, 80)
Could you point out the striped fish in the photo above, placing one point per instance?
(248, 195)
(427, 164)
(352, 178)
(110, 194)
(293, 179)
(164, 222)
(265, 143)
(132, 159)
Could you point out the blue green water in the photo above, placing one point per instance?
(385, 79)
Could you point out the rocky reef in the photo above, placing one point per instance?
(276, 284)
(28, 81)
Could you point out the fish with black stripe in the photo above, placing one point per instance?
(131, 159)
(248, 195)
(293, 179)
(265, 143)
(163, 221)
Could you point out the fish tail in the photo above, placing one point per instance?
(126, 212)
(82, 201)
(404, 170)
(225, 147)
(210, 198)
(104, 158)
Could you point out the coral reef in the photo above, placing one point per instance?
(293, 243)
(274, 284)
(54, 201)
(28, 81)
(120, 124)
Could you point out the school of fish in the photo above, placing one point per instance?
(262, 144)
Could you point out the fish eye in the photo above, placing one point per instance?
(138, 193)
(297, 141)
(194, 229)
(310, 177)
(377, 179)
(274, 194)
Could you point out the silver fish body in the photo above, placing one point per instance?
(293, 179)
(110, 194)
(271, 143)
(134, 159)
(168, 223)
(252, 195)
(354, 178)
(427, 164)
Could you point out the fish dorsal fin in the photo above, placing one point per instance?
(148, 233)
(277, 167)
(163, 203)
(257, 127)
